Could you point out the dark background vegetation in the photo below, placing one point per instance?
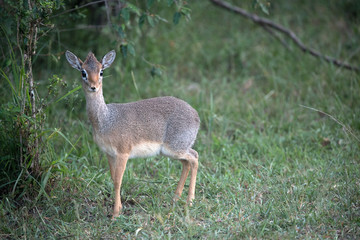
(270, 167)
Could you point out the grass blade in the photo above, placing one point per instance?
(67, 94)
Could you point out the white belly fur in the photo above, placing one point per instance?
(146, 149)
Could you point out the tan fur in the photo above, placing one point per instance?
(163, 125)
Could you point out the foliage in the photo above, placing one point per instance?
(132, 17)
(263, 4)
(18, 17)
(27, 17)
(17, 124)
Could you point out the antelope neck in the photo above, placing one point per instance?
(96, 108)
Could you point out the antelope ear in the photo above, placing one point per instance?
(108, 59)
(74, 61)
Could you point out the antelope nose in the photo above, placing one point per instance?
(93, 88)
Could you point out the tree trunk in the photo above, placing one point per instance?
(32, 147)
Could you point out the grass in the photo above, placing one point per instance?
(269, 168)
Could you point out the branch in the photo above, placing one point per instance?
(268, 24)
(108, 13)
(77, 8)
(96, 27)
(283, 42)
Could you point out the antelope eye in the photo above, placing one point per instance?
(83, 74)
(101, 73)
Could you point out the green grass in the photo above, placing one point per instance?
(269, 168)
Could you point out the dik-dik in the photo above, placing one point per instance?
(162, 125)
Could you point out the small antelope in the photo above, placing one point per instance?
(162, 125)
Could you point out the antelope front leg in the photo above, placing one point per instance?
(111, 161)
(119, 166)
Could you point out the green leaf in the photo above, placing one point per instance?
(131, 49)
(176, 18)
(54, 58)
(149, 3)
(186, 12)
(142, 20)
(9, 82)
(155, 71)
(7, 63)
(134, 8)
(125, 14)
(121, 32)
(158, 18)
(170, 2)
(123, 49)
(263, 4)
(150, 20)
(58, 4)
(264, 8)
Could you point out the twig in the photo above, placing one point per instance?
(107, 12)
(77, 8)
(82, 27)
(345, 128)
(269, 30)
(266, 23)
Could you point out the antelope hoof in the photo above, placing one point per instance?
(114, 216)
(189, 202)
(176, 198)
